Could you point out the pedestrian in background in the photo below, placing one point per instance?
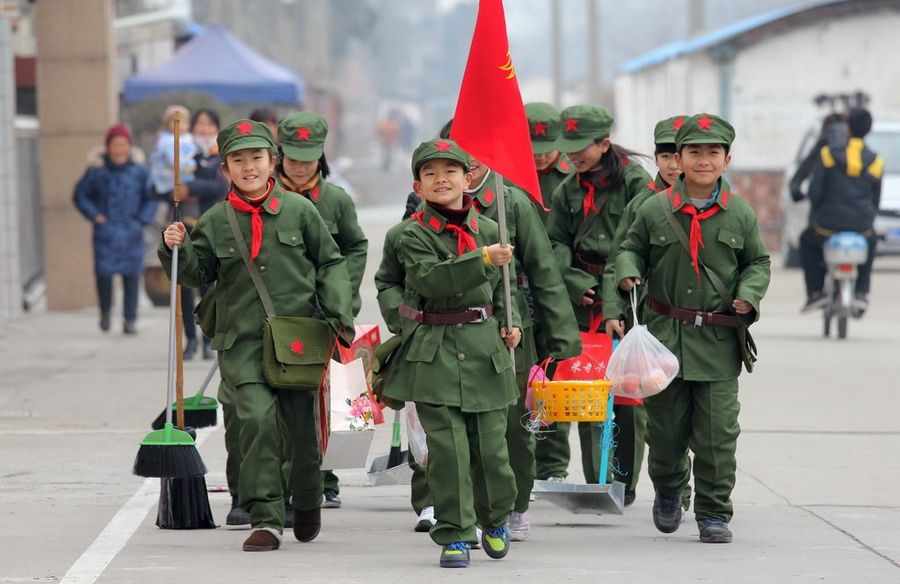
(114, 195)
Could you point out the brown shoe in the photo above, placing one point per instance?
(307, 524)
(261, 540)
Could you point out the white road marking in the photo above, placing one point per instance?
(118, 531)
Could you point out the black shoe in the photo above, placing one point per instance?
(237, 515)
(129, 328)
(104, 322)
(208, 353)
(189, 349)
(667, 513)
(714, 531)
(332, 500)
(288, 515)
(629, 498)
(815, 301)
(860, 305)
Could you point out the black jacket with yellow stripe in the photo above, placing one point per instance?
(845, 189)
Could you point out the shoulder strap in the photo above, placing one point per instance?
(251, 267)
(685, 243)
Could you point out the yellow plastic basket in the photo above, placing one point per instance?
(571, 401)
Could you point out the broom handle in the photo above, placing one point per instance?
(209, 376)
(179, 330)
(504, 241)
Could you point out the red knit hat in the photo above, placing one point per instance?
(118, 130)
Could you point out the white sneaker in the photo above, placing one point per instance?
(519, 526)
(426, 520)
(477, 544)
(557, 480)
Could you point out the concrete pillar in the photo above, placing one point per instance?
(77, 101)
(10, 272)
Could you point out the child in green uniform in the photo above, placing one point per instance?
(302, 268)
(303, 168)
(633, 420)
(587, 209)
(551, 451)
(699, 306)
(454, 362)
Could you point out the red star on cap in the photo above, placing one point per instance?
(443, 146)
(705, 123)
(677, 123)
(244, 128)
(540, 129)
(571, 125)
(303, 133)
(297, 347)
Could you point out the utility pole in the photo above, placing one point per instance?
(593, 63)
(556, 36)
(696, 17)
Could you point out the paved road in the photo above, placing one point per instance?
(819, 465)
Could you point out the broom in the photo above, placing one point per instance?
(170, 453)
(183, 502)
(395, 455)
(200, 411)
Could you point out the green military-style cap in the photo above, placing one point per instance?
(302, 136)
(665, 130)
(582, 124)
(704, 129)
(439, 148)
(244, 134)
(543, 126)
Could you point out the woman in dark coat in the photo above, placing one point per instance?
(115, 196)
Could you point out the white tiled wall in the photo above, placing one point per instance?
(10, 278)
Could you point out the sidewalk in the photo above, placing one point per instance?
(819, 469)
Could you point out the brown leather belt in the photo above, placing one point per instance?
(522, 281)
(695, 317)
(471, 315)
(589, 267)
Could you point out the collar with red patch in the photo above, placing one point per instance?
(272, 205)
(678, 194)
(657, 185)
(563, 165)
(437, 223)
(486, 195)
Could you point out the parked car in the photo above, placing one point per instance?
(883, 139)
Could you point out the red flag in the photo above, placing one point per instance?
(490, 121)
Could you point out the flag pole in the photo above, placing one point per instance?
(504, 241)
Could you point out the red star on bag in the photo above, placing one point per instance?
(705, 123)
(303, 133)
(540, 129)
(443, 146)
(297, 347)
(244, 128)
(571, 125)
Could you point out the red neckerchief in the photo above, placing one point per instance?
(255, 210)
(464, 240)
(696, 231)
(589, 203)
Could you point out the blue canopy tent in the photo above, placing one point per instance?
(218, 63)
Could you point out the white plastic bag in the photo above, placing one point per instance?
(415, 435)
(641, 366)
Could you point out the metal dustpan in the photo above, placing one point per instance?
(381, 476)
(583, 499)
(600, 499)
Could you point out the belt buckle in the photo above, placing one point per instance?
(482, 314)
(698, 319)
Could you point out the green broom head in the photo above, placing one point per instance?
(168, 453)
(200, 411)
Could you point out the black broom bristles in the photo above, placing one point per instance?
(181, 461)
(184, 504)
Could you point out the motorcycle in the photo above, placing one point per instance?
(844, 253)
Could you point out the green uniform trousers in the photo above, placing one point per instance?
(521, 447)
(420, 494)
(227, 397)
(702, 416)
(468, 470)
(552, 452)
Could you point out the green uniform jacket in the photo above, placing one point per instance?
(339, 213)
(467, 366)
(390, 279)
(536, 262)
(615, 303)
(549, 180)
(571, 233)
(732, 248)
(300, 264)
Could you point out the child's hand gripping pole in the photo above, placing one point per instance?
(504, 241)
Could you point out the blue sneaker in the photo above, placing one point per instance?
(667, 513)
(714, 531)
(455, 555)
(496, 542)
